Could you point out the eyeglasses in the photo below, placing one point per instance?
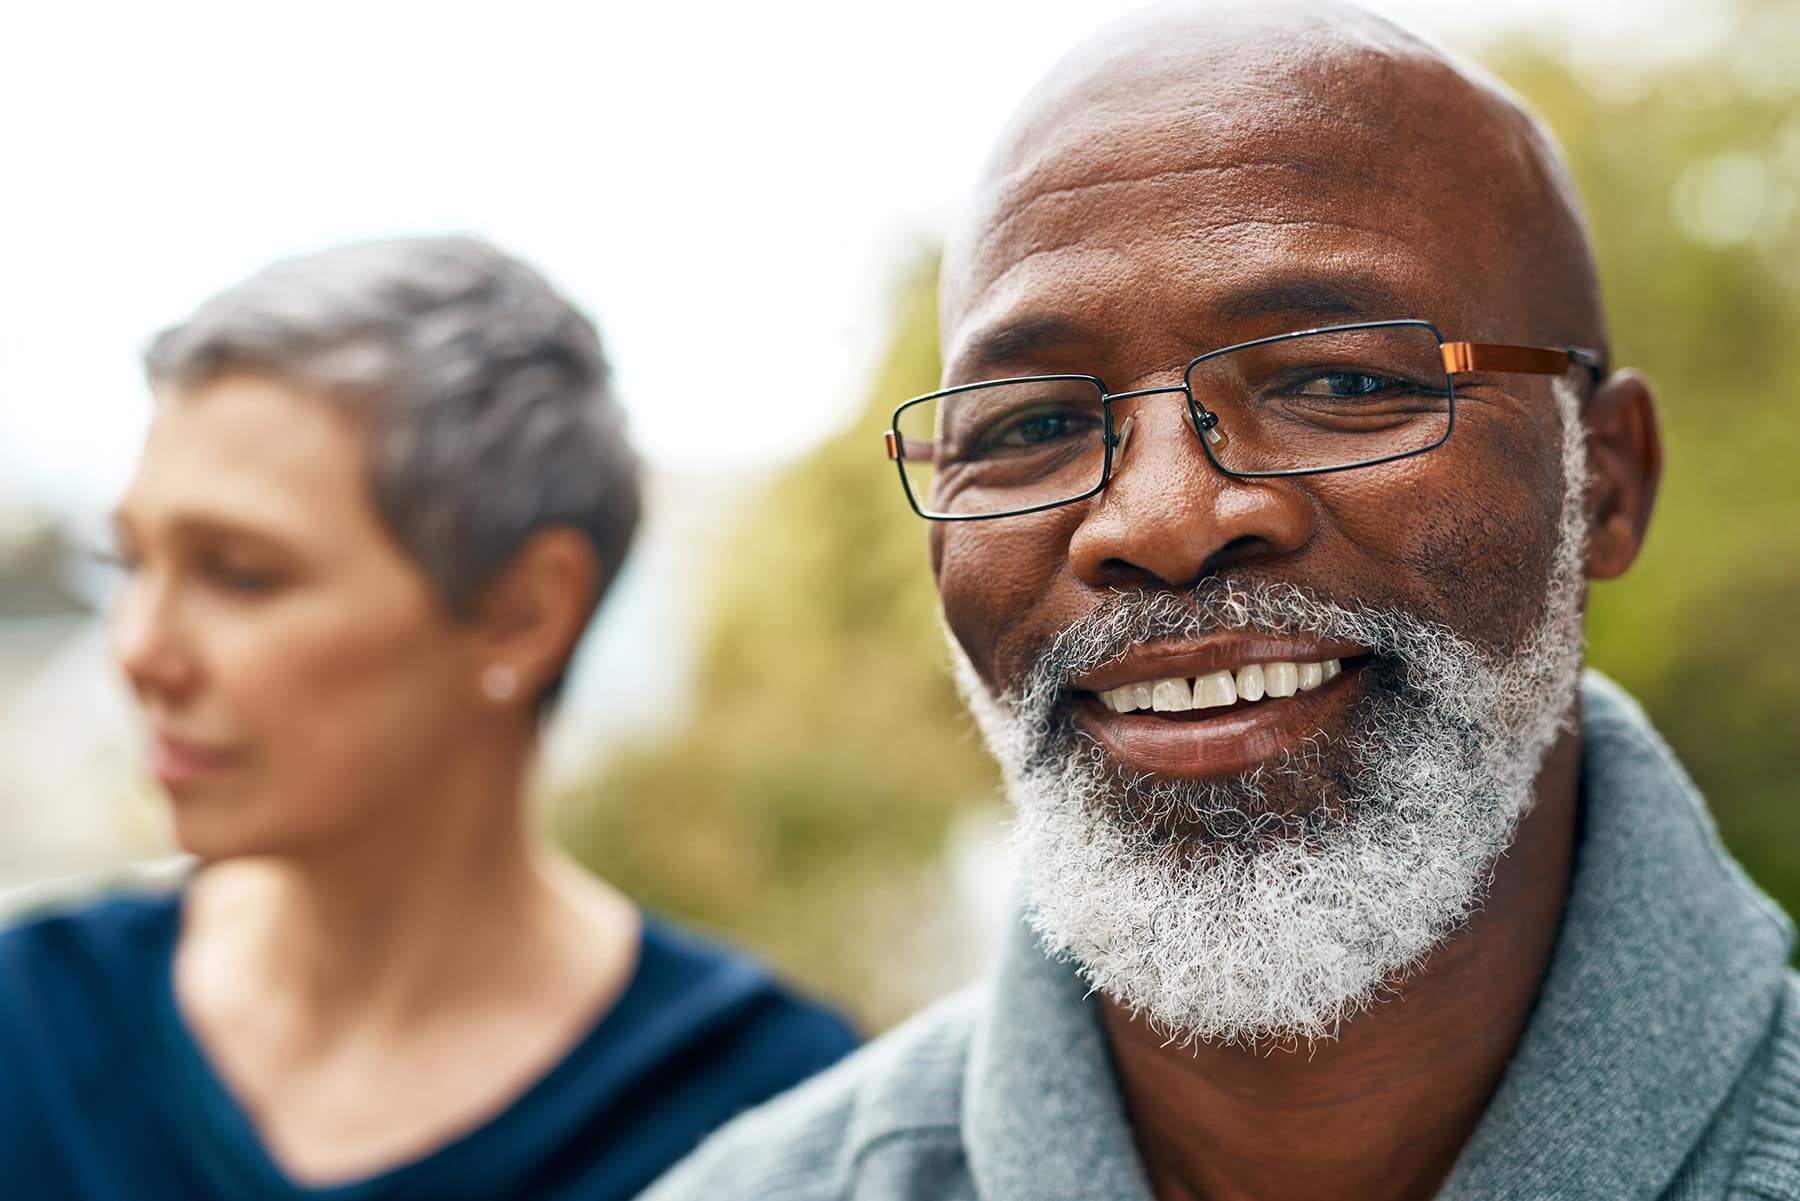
(1302, 403)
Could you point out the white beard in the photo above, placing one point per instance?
(1273, 906)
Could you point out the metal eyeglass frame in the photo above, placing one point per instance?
(1460, 358)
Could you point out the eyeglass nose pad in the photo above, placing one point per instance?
(1124, 436)
(1207, 423)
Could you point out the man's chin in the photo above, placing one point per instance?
(1295, 799)
(1248, 935)
(1272, 906)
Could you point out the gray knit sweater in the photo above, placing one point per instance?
(1662, 1059)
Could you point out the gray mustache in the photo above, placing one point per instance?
(1128, 619)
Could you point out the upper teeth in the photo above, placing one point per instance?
(1177, 694)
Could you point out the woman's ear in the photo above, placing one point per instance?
(1624, 455)
(530, 616)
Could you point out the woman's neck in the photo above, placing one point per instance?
(370, 1000)
(449, 899)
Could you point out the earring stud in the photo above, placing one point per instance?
(499, 681)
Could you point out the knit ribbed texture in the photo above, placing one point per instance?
(1771, 1163)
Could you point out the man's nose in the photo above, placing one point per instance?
(147, 643)
(1168, 517)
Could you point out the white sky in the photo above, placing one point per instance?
(729, 188)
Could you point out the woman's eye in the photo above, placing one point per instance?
(237, 577)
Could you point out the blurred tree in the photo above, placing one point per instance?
(801, 806)
(1691, 177)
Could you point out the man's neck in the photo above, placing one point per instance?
(1381, 1113)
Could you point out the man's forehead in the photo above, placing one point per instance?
(1219, 253)
(1214, 133)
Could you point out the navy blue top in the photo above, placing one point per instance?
(106, 1096)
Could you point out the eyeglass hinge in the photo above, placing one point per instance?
(892, 441)
(1459, 357)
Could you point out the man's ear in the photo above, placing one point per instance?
(530, 616)
(1624, 452)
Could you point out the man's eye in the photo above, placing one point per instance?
(1346, 384)
(1039, 427)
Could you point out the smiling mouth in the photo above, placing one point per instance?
(1225, 721)
(1175, 696)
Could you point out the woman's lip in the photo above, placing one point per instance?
(175, 762)
(1220, 742)
(1148, 663)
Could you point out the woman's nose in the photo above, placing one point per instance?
(146, 643)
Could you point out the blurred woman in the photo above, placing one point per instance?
(383, 491)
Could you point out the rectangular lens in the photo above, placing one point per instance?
(1002, 447)
(1336, 398)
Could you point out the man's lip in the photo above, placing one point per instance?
(1162, 661)
(1219, 742)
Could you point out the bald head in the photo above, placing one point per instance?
(1227, 131)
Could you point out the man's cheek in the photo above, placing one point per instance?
(998, 589)
(1472, 551)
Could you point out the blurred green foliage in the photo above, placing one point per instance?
(1691, 178)
(801, 806)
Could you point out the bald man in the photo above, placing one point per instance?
(1276, 446)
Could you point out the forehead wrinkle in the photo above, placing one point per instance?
(1239, 211)
(1225, 166)
(1193, 204)
(1385, 235)
(1337, 276)
(1010, 210)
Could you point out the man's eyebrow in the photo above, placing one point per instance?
(1313, 298)
(1016, 341)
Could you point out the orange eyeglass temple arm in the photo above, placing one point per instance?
(1461, 357)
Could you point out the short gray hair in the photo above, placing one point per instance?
(488, 399)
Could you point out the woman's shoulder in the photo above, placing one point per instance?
(732, 1010)
(682, 965)
(88, 931)
(78, 972)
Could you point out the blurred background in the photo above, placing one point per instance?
(760, 735)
